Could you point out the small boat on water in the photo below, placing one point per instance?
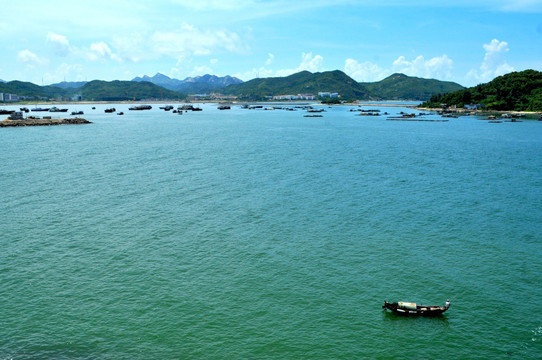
(111, 110)
(408, 308)
(55, 109)
(77, 113)
(140, 107)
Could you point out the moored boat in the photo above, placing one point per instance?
(140, 107)
(408, 308)
(55, 109)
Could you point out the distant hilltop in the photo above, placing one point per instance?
(304, 84)
(191, 85)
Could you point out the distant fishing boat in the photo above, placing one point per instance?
(77, 113)
(408, 308)
(140, 107)
(111, 110)
(55, 109)
(189, 108)
(40, 109)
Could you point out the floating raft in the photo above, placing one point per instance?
(43, 122)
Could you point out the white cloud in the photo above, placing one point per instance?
(521, 5)
(201, 70)
(438, 67)
(365, 71)
(27, 56)
(60, 43)
(101, 51)
(270, 59)
(214, 4)
(66, 72)
(311, 63)
(494, 63)
(179, 44)
(254, 73)
(308, 62)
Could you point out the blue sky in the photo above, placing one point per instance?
(469, 42)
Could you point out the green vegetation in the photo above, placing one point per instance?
(397, 86)
(29, 89)
(330, 101)
(98, 90)
(93, 91)
(303, 82)
(517, 91)
(402, 87)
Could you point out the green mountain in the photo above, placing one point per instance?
(517, 91)
(23, 88)
(403, 87)
(96, 90)
(303, 82)
(99, 90)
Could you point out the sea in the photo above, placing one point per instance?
(265, 234)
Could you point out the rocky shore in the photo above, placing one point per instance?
(43, 122)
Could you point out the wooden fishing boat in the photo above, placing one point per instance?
(408, 308)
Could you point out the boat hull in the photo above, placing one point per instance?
(415, 310)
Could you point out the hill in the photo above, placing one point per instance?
(29, 89)
(98, 90)
(303, 82)
(403, 87)
(517, 91)
(191, 85)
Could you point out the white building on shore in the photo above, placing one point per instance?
(295, 97)
(4, 97)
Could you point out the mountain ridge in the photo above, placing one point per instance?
(403, 87)
(303, 82)
(396, 86)
(203, 83)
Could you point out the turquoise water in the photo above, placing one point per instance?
(252, 234)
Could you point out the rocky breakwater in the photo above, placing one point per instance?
(42, 122)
